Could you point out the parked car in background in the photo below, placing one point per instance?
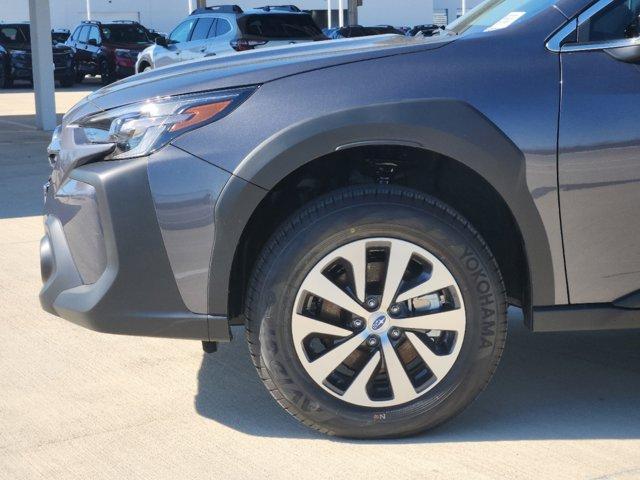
(427, 30)
(353, 31)
(5, 66)
(60, 35)
(153, 34)
(15, 40)
(388, 29)
(108, 49)
(227, 29)
(328, 32)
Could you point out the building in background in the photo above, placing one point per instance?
(446, 11)
(163, 15)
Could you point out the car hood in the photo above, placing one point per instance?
(250, 68)
(136, 47)
(26, 47)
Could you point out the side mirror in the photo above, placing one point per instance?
(627, 54)
(93, 42)
(162, 41)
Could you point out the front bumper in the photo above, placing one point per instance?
(104, 263)
(124, 71)
(21, 69)
(18, 73)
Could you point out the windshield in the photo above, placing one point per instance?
(59, 37)
(493, 15)
(125, 33)
(277, 26)
(14, 34)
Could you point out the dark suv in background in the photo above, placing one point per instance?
(108, 49)
(369, 235)
(15, 56)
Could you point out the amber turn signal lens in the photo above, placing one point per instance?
(199, 114)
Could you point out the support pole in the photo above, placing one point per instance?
(341, 13)
(464, 7)
(329, 11)
(191, 6)
(88, 9)
(42, 64)
(353, 12)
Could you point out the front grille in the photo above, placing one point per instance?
(60, 59)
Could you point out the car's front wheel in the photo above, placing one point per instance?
(375, 312)
(69, 79)
(107, 76)
(5, 79)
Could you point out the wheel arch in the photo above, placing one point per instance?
(436, 133)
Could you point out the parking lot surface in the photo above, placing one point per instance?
(76, 404)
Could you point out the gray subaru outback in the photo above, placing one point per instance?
(366, 208)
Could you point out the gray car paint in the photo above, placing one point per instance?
(599, 175)
(185, 216)
(484, 84)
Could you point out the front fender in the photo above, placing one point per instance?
(448, 127)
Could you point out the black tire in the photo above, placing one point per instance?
(68, 80)
(78, 74)
(106, 75)
(345, 216)
(5, 79)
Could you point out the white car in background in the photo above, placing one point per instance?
(224, 29)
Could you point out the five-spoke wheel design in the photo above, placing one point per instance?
(378, 322)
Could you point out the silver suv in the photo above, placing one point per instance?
(226, 29)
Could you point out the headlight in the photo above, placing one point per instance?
(141, 128)
(20, 55)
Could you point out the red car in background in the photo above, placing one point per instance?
(108, 49)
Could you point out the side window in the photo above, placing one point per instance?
(84, 34)
(94, 34)
(212, 31)
(616, 21)
(223, 27)
(181, 32)
(201, 29)
(8, 35)
(76, 34)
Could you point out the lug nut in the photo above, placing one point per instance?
(395, 333)
(395, 309)
(372, 303)
(372, 341)
(357, 323)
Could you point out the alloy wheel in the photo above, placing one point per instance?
(378, 322)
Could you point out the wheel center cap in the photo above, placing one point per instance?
(378, 322)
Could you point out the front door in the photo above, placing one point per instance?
(599, 156)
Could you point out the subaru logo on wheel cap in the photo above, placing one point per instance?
(378, 322)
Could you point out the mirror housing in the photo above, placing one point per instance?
(93, 42)
(627, 54)
(162, 41)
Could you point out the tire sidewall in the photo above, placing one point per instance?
(430, 228)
